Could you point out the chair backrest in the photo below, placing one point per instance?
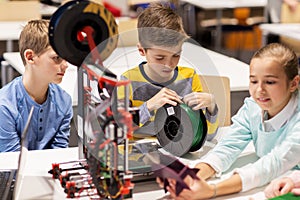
(288, 16)
(128, 34)
(219, 86)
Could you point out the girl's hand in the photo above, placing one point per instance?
(279, 187)
(160, 182)
(199, 189)
(296, 191)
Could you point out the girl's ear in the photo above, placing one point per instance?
(141, 49)
(295, 83)
(28, 55)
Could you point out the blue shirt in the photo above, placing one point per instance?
(278, 150)
(50, 124)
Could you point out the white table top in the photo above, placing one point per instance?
(205, 62)
(11, 30)
(217, 4)
(291, 30)
(39, 162)
(47, 10)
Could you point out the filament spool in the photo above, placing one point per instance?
(180, 129)
(71, 18)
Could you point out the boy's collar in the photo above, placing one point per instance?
(164, 84)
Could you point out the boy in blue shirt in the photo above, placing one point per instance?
(44, 69)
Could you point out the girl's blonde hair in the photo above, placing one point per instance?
(282, 54)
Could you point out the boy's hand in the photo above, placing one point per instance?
(199, 100)
(165, 96)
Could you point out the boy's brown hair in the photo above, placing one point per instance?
(34, 36)
(159, 25)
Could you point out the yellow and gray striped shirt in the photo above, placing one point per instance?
(184, 81)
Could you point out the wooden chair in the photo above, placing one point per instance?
(219, 86)
(128, 34)
(287, 16)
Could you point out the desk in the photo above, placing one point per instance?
(40, 185)
(204, 61)
(10, 31)
(47, 10)
(291, 30)
(219, 6)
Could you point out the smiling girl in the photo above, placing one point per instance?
(270, 118)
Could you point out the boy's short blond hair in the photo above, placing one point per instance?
(34, 36)
(159, 25)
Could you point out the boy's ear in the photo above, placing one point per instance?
(141, 49)
(28, 55)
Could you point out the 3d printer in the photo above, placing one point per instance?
(84, 33)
